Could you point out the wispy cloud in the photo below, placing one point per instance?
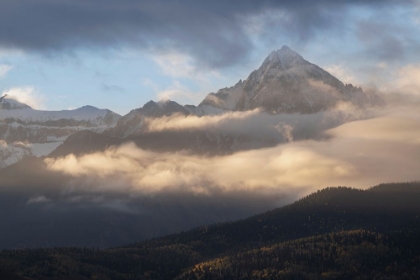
(4, 69)
(181, 122)
(27, 95)
(176, 65)
(408, 79)
(177, 91)
(343, 73)
(38, 199)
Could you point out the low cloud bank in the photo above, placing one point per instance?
(259, 125)
(130, 169)
(369, 147)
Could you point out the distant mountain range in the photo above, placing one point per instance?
(28, 132)
(285, 85)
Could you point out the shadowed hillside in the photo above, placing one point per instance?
(340, 233)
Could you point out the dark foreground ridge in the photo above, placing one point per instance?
(335, 233)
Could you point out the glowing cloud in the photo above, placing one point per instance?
(268, 170)
(384, 147)
(26, 95)
(409, 79)
(179, 122)
(384, 128)
(176, 91)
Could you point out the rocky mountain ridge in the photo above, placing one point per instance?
(25, 131)
(285, 83)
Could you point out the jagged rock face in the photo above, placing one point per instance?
(286, 83)
(28, 132)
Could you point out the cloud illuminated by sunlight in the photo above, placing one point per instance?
(364, 152)
(179, 122)
(27, 95)
(409, 79)
(177, 91)
(129, 168)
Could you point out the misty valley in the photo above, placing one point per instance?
(288, 174)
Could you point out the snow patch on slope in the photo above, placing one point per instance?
(28, 132)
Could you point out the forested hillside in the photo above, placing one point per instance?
(338, 233)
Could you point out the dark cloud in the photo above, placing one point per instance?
(212, 32)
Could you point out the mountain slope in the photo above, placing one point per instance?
(346, 233)
(331, 209)
(357, 254)
(287, 83)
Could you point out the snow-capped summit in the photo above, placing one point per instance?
(286, 83)
(284, 58)
(25, 131)
(8, 103)
(91, 116)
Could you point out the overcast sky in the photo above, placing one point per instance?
(121, 54)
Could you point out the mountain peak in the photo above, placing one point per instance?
(286, 51)
(9, 103)
(286, 83)
(285, 48)
(162, 108)
(284, 57)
